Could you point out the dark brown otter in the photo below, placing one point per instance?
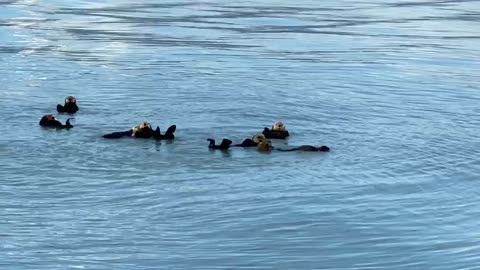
(278, 131)
(253, 142)
(265, 146)
(144, 130)
(308, 148)
(50, 122)
(70, 105)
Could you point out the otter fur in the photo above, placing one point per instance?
(308, 148)
(265, 146)
(70, 105)
(144, 130)
(278, 131)
(49, 121)
(253, 142)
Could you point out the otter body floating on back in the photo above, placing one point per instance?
(253, 142)
(70, 105)
(308, 148)
(226, 143)
(278, 131)
(266, 146)
(144, 130)
(49, 121)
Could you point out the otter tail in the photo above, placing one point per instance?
(68, 125)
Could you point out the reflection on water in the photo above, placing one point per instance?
(391, 86)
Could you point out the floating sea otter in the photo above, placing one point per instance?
(144, 130)
(253, 142)
(265, 146)
(308, 148)
(278, 131)
(224, 145)
(70, 105)
(50, 122)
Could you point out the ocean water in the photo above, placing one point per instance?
(393, 87)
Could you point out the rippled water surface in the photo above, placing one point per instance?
(393, 87)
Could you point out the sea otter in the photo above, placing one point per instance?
(278, 131)
(224, 145)
(50, 122)
(308, 148)
(253, 142)
(265, 146)
(70, 105)
(144, 130)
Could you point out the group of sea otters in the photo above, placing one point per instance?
(144, 130)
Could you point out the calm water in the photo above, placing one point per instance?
(391, 86)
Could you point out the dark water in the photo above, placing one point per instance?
(391, 86)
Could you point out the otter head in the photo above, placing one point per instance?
(265, 146)
(48, 117)
(70, 99)
(144, 126)
(279, 126)
(258, 138)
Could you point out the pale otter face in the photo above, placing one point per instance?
(279, 126)
(258, 138)
(70, 99)
(47, 118)
(264, 146)
(144, 125)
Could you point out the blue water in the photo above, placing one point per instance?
(391, 86)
